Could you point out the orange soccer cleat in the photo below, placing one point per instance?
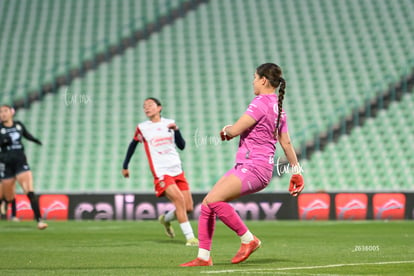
(199, 262)
(246, 249)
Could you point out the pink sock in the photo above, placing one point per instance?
(206, 225)
(229, 216)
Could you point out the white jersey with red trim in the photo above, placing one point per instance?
(160, 147)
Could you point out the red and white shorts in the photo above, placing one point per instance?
(161, 185)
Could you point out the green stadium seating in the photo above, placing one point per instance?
(335, 55)
(376, 156)
(38, 37)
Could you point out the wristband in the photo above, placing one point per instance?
(224, 129)
(297, 169)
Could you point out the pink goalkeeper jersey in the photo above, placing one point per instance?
(258, 144)
(160, 148)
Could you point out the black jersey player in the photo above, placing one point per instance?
(13, 162)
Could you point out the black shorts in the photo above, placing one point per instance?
(11, 164)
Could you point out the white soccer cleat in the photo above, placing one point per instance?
(169, 231)
(41, 225)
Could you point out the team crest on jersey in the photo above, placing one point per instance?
(3, 131)
(18, 127)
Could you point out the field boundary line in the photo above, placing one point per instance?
(304, 267)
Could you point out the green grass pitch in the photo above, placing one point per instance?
(141, 248)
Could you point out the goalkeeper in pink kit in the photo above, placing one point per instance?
(260, 128)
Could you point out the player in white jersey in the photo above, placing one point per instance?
(160, 137)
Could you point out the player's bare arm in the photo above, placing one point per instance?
(242, 124)
(284, 140)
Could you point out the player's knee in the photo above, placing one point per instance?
(210, 199)
(179, 202)
(205, 202)
(8, 198)
(190, 208)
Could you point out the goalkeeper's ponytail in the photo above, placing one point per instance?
(273, 73)
(280, 104)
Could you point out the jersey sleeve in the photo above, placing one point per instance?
(179, 140)
(169, 121)
(26, 134)
(256, 109)
(138, 135)
(283, 127)
(131, 149)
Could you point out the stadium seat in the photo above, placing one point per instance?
(335, 55)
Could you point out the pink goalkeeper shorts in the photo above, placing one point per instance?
(253, 178)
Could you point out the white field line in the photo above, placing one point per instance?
(303, 267)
